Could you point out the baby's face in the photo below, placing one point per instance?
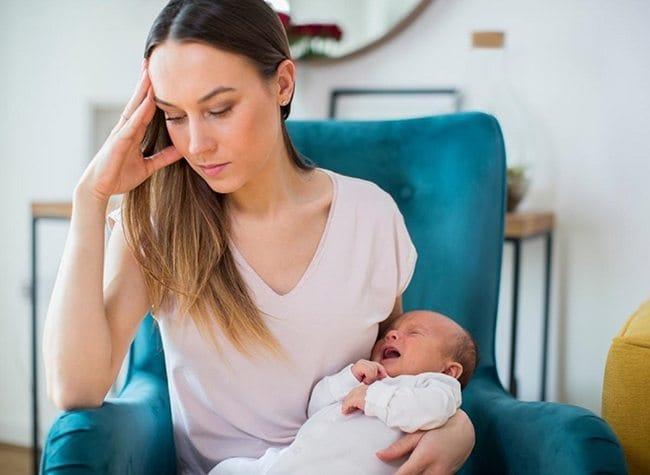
(416, 342)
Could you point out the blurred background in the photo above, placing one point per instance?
(567, 80)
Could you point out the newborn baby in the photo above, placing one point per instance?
(413, 382)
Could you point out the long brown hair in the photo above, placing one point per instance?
(185, 256)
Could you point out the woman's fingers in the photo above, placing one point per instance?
(413, 466)
(136, 99)
(138, 95)
(165, 157)
(400, 447)
(417, 464)
(137, 122)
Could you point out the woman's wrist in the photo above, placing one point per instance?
(83, 196)
(466, 428)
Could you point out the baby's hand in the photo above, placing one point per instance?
(368, 372)
(356, 399)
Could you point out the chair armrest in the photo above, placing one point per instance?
(536, 437)
(129, 434)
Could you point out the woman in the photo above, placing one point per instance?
(264, 272)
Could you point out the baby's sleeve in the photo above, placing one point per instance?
(413, 403)
(332, 389)
(405, 252)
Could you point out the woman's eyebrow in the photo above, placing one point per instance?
(210, 95)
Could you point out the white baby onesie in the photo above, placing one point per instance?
(332, 442)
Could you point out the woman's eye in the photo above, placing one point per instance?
(173, 119)
(212, 113)
(220, 113)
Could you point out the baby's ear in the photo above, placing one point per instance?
(454, 369)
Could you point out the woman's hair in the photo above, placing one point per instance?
(179, 223)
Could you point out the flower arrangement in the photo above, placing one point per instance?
(310, 39)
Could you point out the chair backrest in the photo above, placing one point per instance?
(447, 174)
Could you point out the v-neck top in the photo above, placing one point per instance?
(364, 261)
(246, 267)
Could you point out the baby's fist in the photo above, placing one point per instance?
(367, 372)
(356, 399)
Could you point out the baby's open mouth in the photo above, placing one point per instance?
(390, 352)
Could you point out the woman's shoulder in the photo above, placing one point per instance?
(365, 193)
(373, 214)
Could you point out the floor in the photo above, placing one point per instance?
(15, 460)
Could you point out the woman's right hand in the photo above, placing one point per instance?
(119, 165)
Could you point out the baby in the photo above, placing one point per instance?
(413, 382)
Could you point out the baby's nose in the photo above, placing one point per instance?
(391, 335)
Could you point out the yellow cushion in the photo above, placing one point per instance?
(626, 389)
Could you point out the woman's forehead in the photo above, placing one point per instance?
(197, 54)
(194, 69)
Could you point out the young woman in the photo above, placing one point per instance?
(264, 272)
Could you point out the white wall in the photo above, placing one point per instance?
(581, 69)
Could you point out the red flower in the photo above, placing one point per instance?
(325, 30)
(285, 19)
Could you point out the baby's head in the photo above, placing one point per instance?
(423, 341)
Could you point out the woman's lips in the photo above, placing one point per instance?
(214, 170)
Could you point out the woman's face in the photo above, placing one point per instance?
(240, 126)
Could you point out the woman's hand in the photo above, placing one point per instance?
(436, 451)
(119, 165)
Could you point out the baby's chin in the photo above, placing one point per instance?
(392, 369)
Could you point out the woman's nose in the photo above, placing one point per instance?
(200, 140)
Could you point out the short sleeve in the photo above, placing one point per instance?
(405, 251)
(113, 217)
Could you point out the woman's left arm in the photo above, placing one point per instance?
(437, 451)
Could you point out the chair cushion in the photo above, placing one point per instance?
(626, 389)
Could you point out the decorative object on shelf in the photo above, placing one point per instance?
(518, 183)
(335, 29)
(488, 89)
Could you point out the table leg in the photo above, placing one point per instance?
(515, 315)
(547, 290)
(34, 297)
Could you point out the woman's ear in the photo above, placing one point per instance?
(454, 369)
(286, 78)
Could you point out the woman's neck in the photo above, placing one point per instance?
(278, 186)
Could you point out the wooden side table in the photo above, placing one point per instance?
(520, 227)
(40, 211)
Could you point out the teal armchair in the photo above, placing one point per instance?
(447, 174)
